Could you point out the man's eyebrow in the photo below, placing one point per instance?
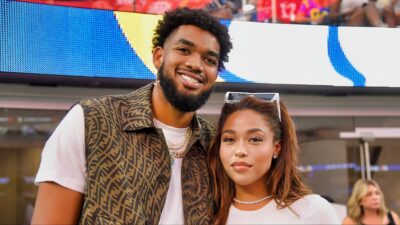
(191, 44)
(185, 42)
(214, 54)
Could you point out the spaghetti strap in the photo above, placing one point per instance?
(390, 217)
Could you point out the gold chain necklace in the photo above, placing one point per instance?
(176, 147)
(178, 150)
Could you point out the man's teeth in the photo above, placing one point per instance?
(189, 79)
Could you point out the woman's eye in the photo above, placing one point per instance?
(255, 139)
(228, 139)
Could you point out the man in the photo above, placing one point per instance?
(140, 158)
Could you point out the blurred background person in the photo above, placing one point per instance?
(367, 205)
(313, 11)
(396, 10)
(346, 13)
(390, 10)
(222, 9)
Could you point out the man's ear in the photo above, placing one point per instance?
(158, 56)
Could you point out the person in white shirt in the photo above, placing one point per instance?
(140, 158)
(252, 161)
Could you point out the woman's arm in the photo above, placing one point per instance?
(56, 204)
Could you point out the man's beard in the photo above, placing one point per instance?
(182, 102)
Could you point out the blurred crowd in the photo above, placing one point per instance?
(376, 13)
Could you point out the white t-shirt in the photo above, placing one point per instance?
(64, 161)
(63, 157)
(311, 209)
(173, 208)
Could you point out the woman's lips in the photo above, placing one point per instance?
(241, 166)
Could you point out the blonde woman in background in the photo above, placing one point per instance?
(367, 205)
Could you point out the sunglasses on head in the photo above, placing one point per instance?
(235, 97)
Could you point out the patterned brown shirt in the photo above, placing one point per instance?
(129, 167)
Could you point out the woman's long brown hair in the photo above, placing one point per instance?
(283, 179)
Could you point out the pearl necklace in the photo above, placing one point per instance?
(252, 202)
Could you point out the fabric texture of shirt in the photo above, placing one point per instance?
(128, 163)
(311, 209)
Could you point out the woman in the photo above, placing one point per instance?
(367, 205)
(252, 161)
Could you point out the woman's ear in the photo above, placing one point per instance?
(158, 56)
(277, 148)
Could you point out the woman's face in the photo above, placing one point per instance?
(372, 200)
(247, 148)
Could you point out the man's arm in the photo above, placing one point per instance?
(56, 204)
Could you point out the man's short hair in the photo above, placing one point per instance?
(199, 18)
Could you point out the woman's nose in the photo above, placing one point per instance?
(240, 151)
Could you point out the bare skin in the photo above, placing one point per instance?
(247, 148)
(56, 204)
(371, 203)
(372, 218)
(191, 49)
(199, 51)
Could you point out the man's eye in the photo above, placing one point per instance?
(211, 61)
(183, 50)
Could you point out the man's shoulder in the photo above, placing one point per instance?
(105, 99)
(205, 124)
(207, 128)
(134, 97)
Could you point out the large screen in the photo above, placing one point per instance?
(57, 43)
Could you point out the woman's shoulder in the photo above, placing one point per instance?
(314, 208)
(311, 200)
(348, 221)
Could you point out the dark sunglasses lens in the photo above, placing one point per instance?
(239, 96)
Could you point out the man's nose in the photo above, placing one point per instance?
(194, 62)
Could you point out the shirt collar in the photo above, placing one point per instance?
(139, 114)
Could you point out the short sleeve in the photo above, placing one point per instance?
(324, 213)
(63, 158)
